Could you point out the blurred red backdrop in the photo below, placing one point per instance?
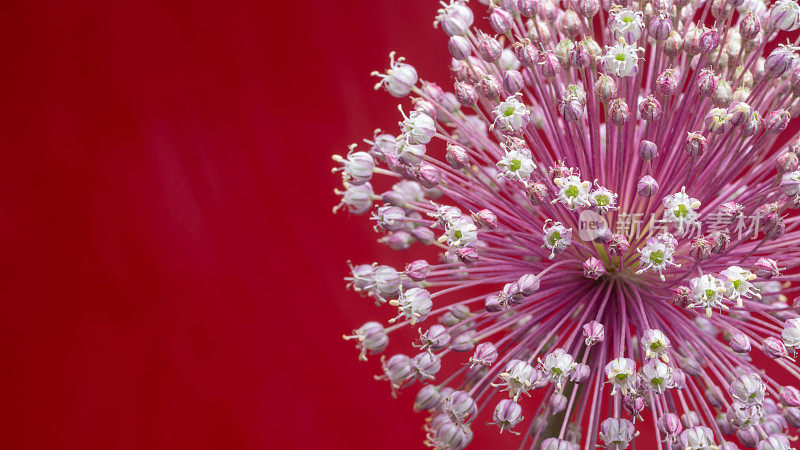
(172, 274)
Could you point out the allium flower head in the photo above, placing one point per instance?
(612, 202)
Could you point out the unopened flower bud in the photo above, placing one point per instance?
(578, 57)
(485, 354)
(513, 81)
(459, 47)
(666, 83)
(774, 348)
(619, 112)
(673, 44)
(593, 268)
(593, 332)
(749, 26)
(557, 403)
(650, 109)
(789, 396)
(605, 87)
(647, 186)
(776, 121)
(648, 150)
(418, 270)
(501, 20)
(660, 27)
(548, 64)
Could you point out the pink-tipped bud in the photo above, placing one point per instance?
(700, 248)
(777, 121)
(605, 87)
(593, 268)
(753, 124)
(667, 82)
(706, 83)
(670, 424)
(660, 27)
(593, 332)
(579, 57)
(466, 94)
(709, 41)
(749, 27)
(619, 112)
(501, 20)
(695, 144)
(457, 156)
(787, 162)
(740, 343)
(489, 48)
(650, 109)
(618, 245)
(673, 45)
(557, 403)
(526, 54)
(647, 186)
(648, 150)
(459, 48)
(418, 270)
(485, 354)
(513, 81)
(719, 241)
(774, 348)
(548, 64)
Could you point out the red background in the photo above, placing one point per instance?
(172, 273)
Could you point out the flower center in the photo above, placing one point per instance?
(515, 165)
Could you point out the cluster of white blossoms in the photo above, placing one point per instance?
(565, 119)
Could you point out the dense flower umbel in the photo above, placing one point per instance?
(612, 209)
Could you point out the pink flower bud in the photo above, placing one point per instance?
(593, 268)
(618, 245)
(593, 332)
(709, 41)
(548, 64)
(513, 81)
(648, 150)
(619, 112)
(700, 249)
(526, 53)
(557, 403)
(740, 343)
(787, 162)
(753, 124)
(489, 48)
(774, 348)
(579, 58)
(673, 45)
(790, 396)
(666, 83)
(670, 424)
(650, 109)
(647, 186)
(537, 193)
(660, 27)
(501, 20)
(466, 94)
(605, 87)
(776, 121)
(459, 47)
(485, 355)
(749, 27)
(489, 87)
(706, 83)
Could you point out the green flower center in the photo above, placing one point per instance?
(657, 257)
(509, 111)
(514, 165)
(554, 237)
(572, 191)
(457, 234)
(680, 211)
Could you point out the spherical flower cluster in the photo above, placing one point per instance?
(611, 189)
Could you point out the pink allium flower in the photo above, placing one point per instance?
(612, 207)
